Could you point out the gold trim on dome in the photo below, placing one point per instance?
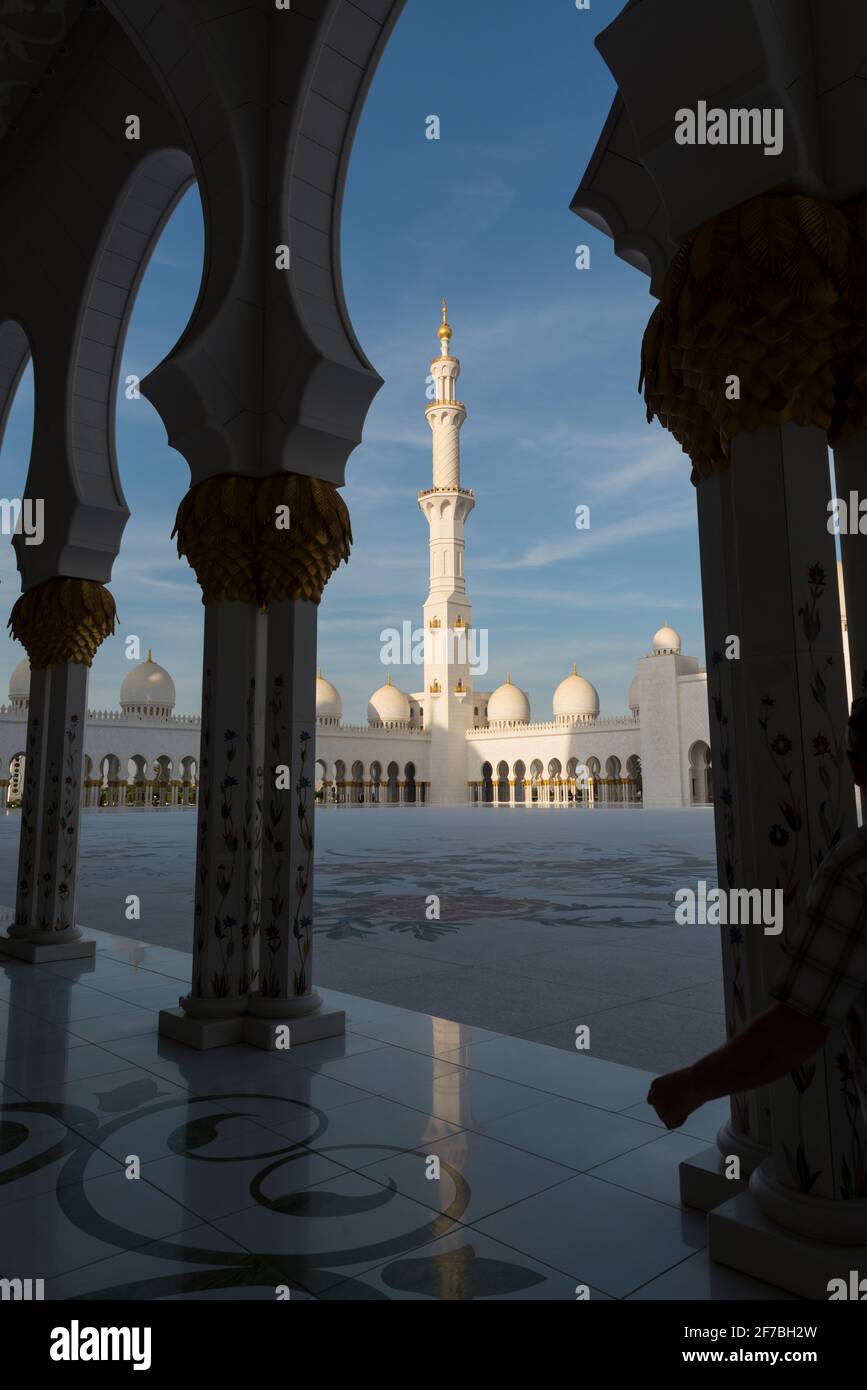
(63, 620)
(226, 528)
(774, 293)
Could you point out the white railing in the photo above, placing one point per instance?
(575, 726)
(368, 731)
(112, 716)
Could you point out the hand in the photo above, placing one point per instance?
(674, 1097)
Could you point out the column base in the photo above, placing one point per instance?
(742, 1237)
(703, 1181)
(266, 1032)
(206, 1033)
(40, 952)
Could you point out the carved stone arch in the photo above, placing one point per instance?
(69, 269)
(14, 356)
(304, 412)
(129, 240)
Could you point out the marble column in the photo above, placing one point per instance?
(223, 942)
(784, 797)
(850, 468)
(286, 995)
(61, 623)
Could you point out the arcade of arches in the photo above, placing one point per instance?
(262, 115)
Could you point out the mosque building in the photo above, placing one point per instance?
(451, 743)
(447, 744)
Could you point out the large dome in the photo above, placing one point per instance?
(148, 689)
(328, 702)
(508, 705)
(575, 698)
(666, 641)
(19, 682)
(633, 696)
(388, 705)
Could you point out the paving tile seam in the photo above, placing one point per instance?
(251, 1206)
(538, 1192)
(654, 1277)
(495, 1240)
(426, 1240)
(525, 1254)
(636, 1192)
(118, 1251)
(584, 1172)
(360, 1275)
(551, 1095)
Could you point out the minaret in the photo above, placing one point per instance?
(447, 612)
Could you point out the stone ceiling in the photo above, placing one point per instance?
(41, 43)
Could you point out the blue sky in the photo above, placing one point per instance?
(550, 360)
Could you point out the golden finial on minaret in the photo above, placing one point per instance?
(445, 332)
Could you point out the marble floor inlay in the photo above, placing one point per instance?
(415, 1158)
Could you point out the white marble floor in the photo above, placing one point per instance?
(313, 1169)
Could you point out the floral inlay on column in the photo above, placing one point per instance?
(302, 923)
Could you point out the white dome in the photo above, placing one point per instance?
(575, 698)
(19, 681)
(633, 695)
(148, 687)
(328, 702)
(508, 705)
(388, 705)
(666, 640)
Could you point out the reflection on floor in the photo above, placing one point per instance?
(414, 1158)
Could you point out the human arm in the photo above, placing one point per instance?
(774, 1044)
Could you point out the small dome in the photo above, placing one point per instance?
(575, 698)
(148, 686)
(508, 705)
(19, 682)
(388, 705)
(633, 696)
(328, 702)
(666, 641)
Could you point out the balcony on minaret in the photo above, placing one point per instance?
(463, 491)
(434, 623)
(436, 688)
(461, 625)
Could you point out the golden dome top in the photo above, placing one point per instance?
(445, 332)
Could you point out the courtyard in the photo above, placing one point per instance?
(547, 920)
(309, 1171)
